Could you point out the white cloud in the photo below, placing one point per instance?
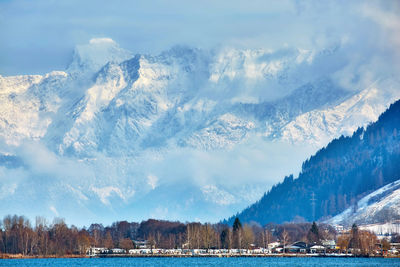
(102, 41)
(78, 193)
(104, 193)
(45, 42)
(7, 190)
(388, 18)
(217, 196)
(152, 180)
(54, 210)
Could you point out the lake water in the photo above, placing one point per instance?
(192, 262)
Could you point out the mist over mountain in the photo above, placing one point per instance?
(189, 134)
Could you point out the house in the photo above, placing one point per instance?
(278, 249)
(329, 244)
(339, 228)
(141, 243)
(213, 251)
(297, 247)
(145, 251)
(258, 251)
(199, 251)
(134, 251)
(234, 251)
(118, 251)
(243, 251)
(95, 251)
(224, 251)
(318, 249)
(173, 251)
(157, 251)
(273, 245)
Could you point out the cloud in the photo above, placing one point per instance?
(7, 188)
(152, 181)
(387, 17)
(54, 210)
(253, 162)
(78, 192)
(36, 43)
(104, 193)
(217, 196)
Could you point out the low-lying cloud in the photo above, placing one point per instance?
(235, 177)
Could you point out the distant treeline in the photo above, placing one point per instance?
(17, 235)
(336, 177)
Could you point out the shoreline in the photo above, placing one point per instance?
(20, 256)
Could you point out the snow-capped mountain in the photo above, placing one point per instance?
(108, 132)
(379, 207)
(319, 125)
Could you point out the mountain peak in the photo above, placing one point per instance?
(94, 55)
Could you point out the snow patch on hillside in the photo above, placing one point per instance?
(380, 206)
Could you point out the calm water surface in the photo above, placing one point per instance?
(192, 262)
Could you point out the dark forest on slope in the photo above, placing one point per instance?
(337, 176)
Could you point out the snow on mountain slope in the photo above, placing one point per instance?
(322, 125)
(114, 131)
(224, 132)
(27, 104)
(382, 230)
(380, 206)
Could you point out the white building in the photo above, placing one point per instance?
(95, 251)
(134, 251)
(118, 251)
(273, 245)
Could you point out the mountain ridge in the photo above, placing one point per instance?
(121, 123)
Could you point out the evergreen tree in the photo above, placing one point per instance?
(237, 233)
(237, 225)
(224, 238)
(313, 234)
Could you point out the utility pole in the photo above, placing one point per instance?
(313, 205)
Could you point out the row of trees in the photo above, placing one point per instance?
(362, 242)
(17, 235)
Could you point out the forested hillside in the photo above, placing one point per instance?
(337, 176)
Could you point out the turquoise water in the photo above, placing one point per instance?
(192, 262)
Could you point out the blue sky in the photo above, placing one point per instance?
(39, 36)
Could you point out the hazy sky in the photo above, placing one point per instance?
(39, 36)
